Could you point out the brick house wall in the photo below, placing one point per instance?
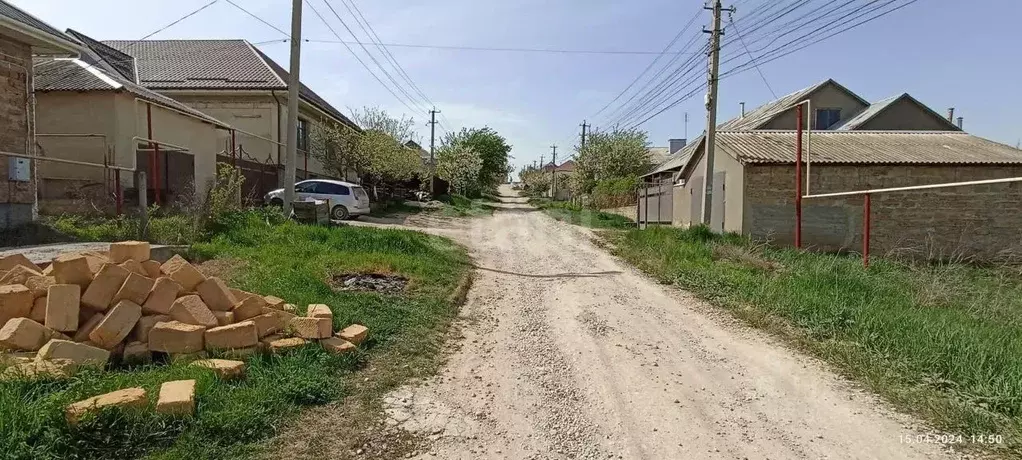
(17, 198)
(981, 221)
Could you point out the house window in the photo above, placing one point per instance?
(825, 118)
(303, 135)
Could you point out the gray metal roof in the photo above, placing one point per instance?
(680, 158)
(110, 58)
(657, 155)
(879, 107)
(868, 147)
(14, 13)
(198, 64)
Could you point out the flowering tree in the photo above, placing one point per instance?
(459, 165)
(377, 151)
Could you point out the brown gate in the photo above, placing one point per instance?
(655, 204)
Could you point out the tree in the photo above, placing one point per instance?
(459, 165)
(377, 151)
(616, 155)
(492, 149)
(535, 180)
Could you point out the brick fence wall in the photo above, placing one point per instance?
(17, 198)
(977, 221)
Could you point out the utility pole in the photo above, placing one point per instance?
(686, 126)
(553, 174)
(711, 106)
(291, 157)
(432, 144)
(584, 126)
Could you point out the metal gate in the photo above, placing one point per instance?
(655, 204)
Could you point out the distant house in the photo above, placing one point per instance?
(22, 36)
(560, 188)
(233, 81)
(855, 145)
(91, 109)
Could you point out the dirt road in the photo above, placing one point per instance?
(568, 353)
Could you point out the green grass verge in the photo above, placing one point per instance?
(290, 261)
(574, 214)
(942, 342)
(461, 206)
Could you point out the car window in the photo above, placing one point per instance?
(306, 187)
(338, 189)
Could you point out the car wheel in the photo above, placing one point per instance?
(339, 213)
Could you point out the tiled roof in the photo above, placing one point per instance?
(199, 64)
(87, 74)
(764, 113)
(111, 58)
(679, 158)
(12, 12)
(868, 147)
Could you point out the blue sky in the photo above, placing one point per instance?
(944, 52)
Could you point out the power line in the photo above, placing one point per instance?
(193, 13)
(666, 85)
(753, 59)
(502, 49)
(257, 18)
(650, 66)
(359, 59)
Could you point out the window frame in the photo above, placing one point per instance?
(303, 135)
(836, 111)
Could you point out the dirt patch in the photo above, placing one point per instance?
(224, 269)
(369, 282)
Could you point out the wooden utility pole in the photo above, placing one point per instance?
(291, 158)
(584, 126)
(711, 107)
(432, 145)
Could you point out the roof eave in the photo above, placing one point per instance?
(45, 43)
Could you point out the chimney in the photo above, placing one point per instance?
(676, 145)
(951, 114)
(743, 109)
(960, 119)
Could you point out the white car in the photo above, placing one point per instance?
(347, 200)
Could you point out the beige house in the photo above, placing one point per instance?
(92, 111)
(22, 36)
(233, 81)
(855, 146)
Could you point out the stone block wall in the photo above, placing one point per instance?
(17, 198)
(983, 222)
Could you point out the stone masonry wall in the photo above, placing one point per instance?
(984, 221)
(17, 199)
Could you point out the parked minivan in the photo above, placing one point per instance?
(347, 200)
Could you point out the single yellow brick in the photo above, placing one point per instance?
(319, 310)
(19, 275)
(283, 345)
(129, 398)
(100, 293)
(38, 310)
(145, 324)
(356, 333)
(23, 334)
(72, 270)
(337, 345)
(176, 398)
(57, 368)
(216, 294)
(136, 288)
(311, 328)
(161, 297)
(223, 318)
(133, 250)
(240, 335)
(116, 325)
(79, 353)
(249, 308)
(187, 276)
(176, 337)
(172, 264)
(240, 295)
(225, 368)
(192, 310)
(152, 269)
(15, 302)
(62, 304)
(86, 327)
(268, 323)
(274, 302)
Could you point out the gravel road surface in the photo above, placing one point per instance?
(569, 353)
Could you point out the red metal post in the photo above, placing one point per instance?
(119, 200)
(865, 229)
(798, 177)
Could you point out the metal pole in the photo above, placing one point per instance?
(711, 108)
(153, 161)
(234, 149)
(798, 176)
(865, 229)
(292, 106)
(143, 205)
(119, 194)
(584, 126)
(432, 146)
(553, 174)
